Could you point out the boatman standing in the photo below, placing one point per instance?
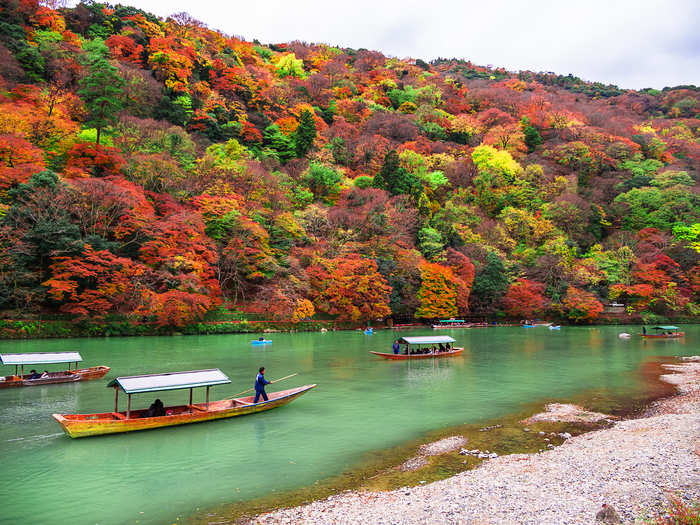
(260, 383)
(396, 347)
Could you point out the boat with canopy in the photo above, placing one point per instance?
(71, 375)
(664, 332)
(424, 347)
(83, 425)
(451, 323)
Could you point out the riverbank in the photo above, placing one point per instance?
(632, 466)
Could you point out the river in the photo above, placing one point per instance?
(362, 404)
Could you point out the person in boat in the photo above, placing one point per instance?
(156, 409)
(441, 347)
(45, 374)
(261, 338)
(33, 374)
(260, 383)
(396, 348)
(644, 330)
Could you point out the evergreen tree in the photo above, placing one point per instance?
(305, 133)
(394, 178)
(101, 90)
(532, 138)
(490, 283)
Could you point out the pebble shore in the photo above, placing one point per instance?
(632, 466)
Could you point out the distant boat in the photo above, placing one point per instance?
(664, 332)
(369, 331)
(261, 342)
(420, 342)
(624, 335)
(452, 323)
(47, 358)
(83, 425)
(554, 327)
(528, 326)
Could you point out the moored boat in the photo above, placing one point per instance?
(84, 425)
(451, 323)
(48, 378)
(261, 342)
(664, 332)
(424, 348)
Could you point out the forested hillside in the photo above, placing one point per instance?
(157, 169)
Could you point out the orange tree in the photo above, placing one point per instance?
(351, 287)
(524, 298)
(437, 293)
(581, 305)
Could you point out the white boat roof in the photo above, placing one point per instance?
(427, 340)
(170, 381)
(40, 358)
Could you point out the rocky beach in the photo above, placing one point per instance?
(632, 467)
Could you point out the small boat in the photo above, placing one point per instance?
(420, 343)
(48, 378)
(451, 323)
(369, 331)
(528, 326)
(664, 332)
(555, 327)
(84, 425)
(624, 335)
(261, 342)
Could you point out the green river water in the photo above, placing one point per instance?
(362, 404)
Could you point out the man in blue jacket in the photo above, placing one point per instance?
(260, 383)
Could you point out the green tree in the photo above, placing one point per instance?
(305, 133)
(490, 282)
(394, 178)
(323, 181)
(430, 243)
(532, 138)
(101, 90)
(279, 142)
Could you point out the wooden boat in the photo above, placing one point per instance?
(665, 332)
(45, 358)
(451, 323)
(419, 343)
(84, 425)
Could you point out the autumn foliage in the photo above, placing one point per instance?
(155, 169)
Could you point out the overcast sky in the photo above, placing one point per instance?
(630, 43)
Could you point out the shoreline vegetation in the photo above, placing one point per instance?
(559, 465)
(225, 322)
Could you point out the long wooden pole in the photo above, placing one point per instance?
(271, 382)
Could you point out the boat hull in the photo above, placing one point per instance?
(403, 357)
(665, 336)
(66, 376)
(85, 425)
(449, 327)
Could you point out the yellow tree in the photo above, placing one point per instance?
(437, 293)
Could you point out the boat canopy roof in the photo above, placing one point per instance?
(40, 358)
(427, 340)
(665, 327)
(170, 381)
(451, 320)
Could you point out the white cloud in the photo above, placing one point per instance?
(631, 43)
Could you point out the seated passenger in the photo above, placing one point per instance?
(45, 374)
(33, 374)
(156, 409)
